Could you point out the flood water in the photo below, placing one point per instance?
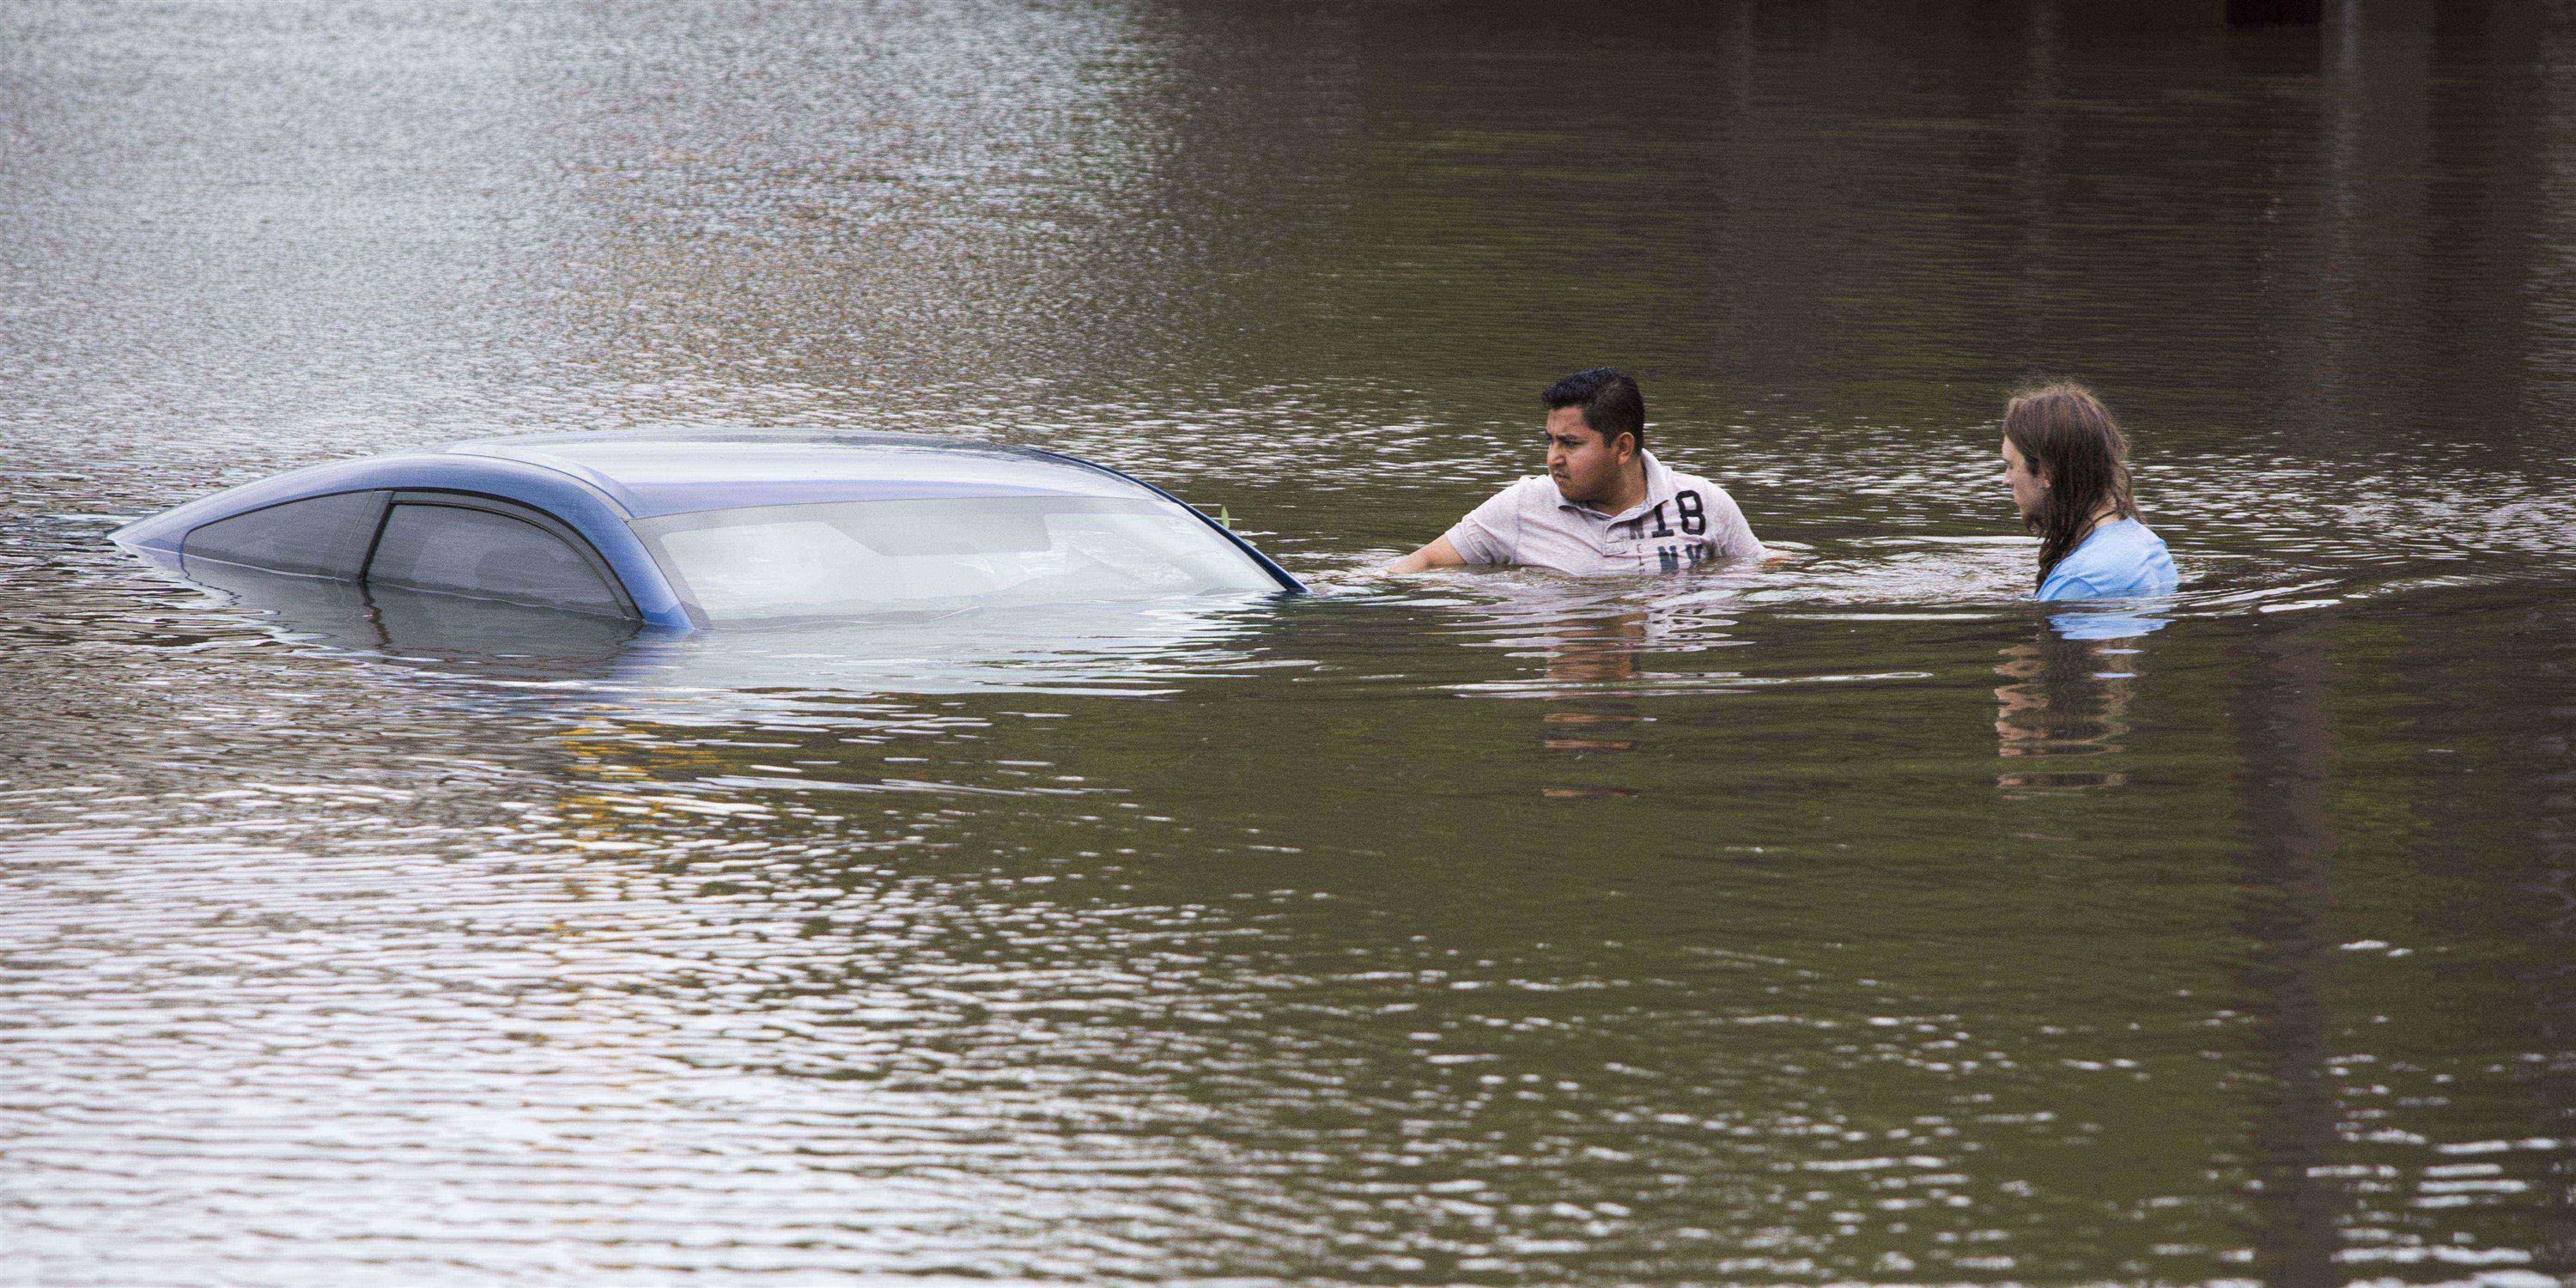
(1845, 920)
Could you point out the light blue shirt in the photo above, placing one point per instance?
(2121, 560)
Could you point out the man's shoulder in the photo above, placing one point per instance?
(1680, 480)
(1685, 481)
(1525, 492)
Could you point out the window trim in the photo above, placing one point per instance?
(528, 514)
(375, 532)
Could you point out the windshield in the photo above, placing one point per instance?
(788, 561)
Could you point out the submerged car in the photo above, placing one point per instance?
(713, 528)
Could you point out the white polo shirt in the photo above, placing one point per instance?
(1685, 521)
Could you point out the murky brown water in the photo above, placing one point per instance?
(1842, 921)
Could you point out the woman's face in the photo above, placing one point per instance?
(2029, 486)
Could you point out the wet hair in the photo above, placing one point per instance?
(1609, 399)
(2067, 436)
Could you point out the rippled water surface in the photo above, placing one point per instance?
(1842, 920)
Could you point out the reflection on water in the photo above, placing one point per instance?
(2064, 697)
(2288, 862)
(1583, 720)
(1133, 649)
(522, 644)
(1849, 919)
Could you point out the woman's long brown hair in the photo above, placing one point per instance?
(2068, 436)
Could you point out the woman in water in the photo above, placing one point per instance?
(2067, 464)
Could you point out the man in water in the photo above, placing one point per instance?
(1605, 505)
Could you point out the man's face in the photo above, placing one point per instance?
(1585, 468)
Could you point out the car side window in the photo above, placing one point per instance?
(468, 551)
(323, 536)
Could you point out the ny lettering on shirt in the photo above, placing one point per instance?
(1683, 521)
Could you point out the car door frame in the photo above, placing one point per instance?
(508, 509)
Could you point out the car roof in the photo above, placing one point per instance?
(654, 472)
(596, 481)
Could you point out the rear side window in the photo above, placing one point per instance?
(325, 536)
(781, 562)
(463, 551)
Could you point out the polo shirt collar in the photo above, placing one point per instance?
(1659, 488)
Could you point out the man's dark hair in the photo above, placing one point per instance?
(1609, 399)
